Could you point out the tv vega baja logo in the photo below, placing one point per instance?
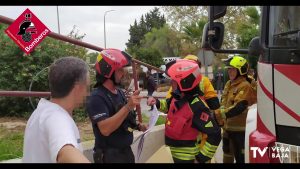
(273, 152)
(27, 31)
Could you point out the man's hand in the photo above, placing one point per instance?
(143, 127)
(134, 100)
(219, 118)
(151, 101)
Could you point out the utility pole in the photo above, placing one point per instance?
(57, 13)
(104, 27)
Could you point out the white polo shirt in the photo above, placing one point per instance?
(48, 129)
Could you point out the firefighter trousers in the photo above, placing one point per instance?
(114, 155)
(233, 146)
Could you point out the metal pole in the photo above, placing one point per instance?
(58, 20)
(147, 65)
(104, 32)
(104, 27)
(138, 107)
(53, 35)
(205, 64)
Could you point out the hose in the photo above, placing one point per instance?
(31, 86)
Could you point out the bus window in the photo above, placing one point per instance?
(284, 25)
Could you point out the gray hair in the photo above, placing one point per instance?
(64, 73)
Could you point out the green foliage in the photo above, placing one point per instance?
(18, 69)
(180, 16)
(194, 31)
(247, 30)
(165, 40)
(241, 25)
(92, 57)
(80, 114)
(192, 37)
(152, 19)
(150, 56)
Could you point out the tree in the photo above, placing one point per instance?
(192, 37)
(150, 56)
(92, 57)
(18, 70)
(152, 19)
(165, 40)
(182, 16)
(247, 30)
(134, 36)
(179, 16)
(194, 31)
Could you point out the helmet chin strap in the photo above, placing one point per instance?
(237, 75)
(112, 78)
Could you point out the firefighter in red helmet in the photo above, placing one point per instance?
(112, 115)
(187, 115)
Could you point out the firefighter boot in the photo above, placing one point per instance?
(228, 156)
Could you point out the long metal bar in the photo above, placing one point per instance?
(147, 65)
(54, 35)
(39, 94)
(24, 94)
(7, 20)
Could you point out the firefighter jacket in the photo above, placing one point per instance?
(236, 98)
(209, 94)
(253, 83)
(186, 118)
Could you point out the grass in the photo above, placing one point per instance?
(11, 144)
(160, 120)
(11, 141)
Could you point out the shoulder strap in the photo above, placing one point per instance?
(122, 94)
(107, 97)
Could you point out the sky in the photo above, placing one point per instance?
(89, 20)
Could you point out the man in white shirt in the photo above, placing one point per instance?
(51, 135)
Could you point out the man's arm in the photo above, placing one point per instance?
(169, 93)
(69, 154)
(162, 104)
(241, 103)
(205, 123)
(210, 95)
(109, 125)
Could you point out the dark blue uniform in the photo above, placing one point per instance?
(103, 104)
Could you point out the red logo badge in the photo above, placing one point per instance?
(204, 116)
(27, 31)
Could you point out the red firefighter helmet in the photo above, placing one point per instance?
(185, 72)
(110, 60)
